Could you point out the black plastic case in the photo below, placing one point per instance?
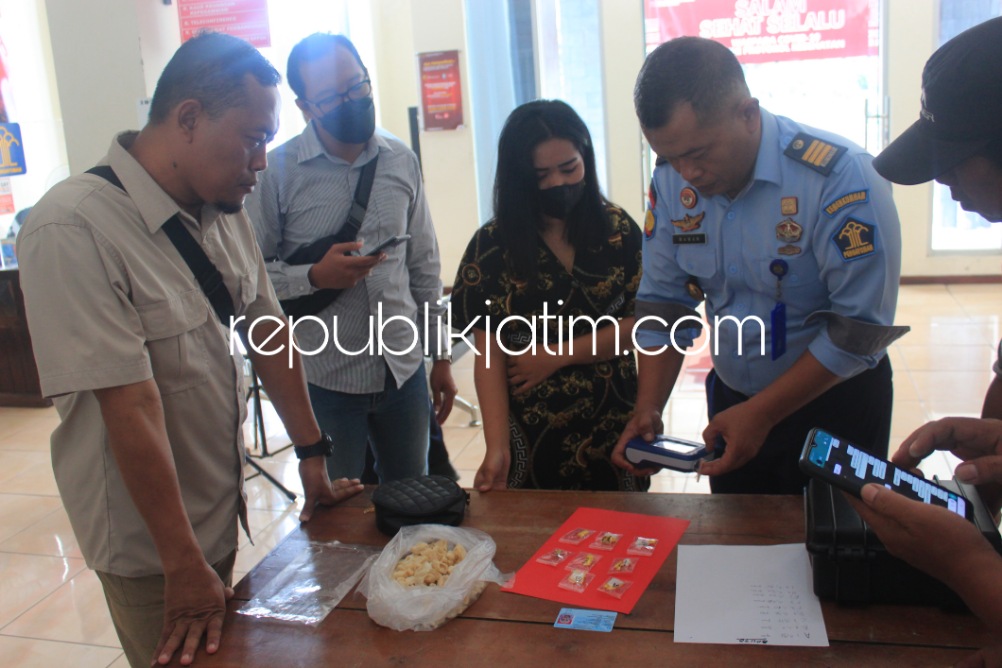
(851, 565)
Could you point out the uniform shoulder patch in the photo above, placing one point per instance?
(855, 239)
(650, 223)
(815, 153)
(839, 203)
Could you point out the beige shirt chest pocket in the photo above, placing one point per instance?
(175, 331)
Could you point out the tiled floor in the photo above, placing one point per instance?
(51, 608)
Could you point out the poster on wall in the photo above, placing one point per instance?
(6, 197)
(247, 19)
(441, 93)
(760, 31)
(11, 150)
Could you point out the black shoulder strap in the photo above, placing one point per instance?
(108, 174)
(361, 202)
(208, 277)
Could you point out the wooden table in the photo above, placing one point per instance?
(503, 629)
(19, 384)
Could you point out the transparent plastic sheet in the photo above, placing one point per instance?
(421, 608)
(313, 583)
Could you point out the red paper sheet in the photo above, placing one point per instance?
(540, 580)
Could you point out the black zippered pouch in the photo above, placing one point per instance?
(429, 499)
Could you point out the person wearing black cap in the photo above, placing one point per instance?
(957, 141)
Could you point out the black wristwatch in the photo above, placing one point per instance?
(324, 447)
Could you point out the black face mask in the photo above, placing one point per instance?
(351, 122)
(558, 201)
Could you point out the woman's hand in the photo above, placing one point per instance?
(527, 371)
(493, 472)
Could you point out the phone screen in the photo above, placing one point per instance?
(389, 243)
(680, 447)
(848, 467)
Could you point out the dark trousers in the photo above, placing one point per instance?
(858, 410)
(438, 456)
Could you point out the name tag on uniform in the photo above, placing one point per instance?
(682, 239)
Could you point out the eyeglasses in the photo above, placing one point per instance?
(359, 91)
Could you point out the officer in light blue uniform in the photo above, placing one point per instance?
(794, 242)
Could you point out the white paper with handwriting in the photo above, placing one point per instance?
(747, 595)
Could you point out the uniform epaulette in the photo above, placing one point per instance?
(815, 153)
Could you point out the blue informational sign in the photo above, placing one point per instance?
(11, 150)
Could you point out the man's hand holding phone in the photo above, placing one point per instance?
(848, 467)
(392, 242)
(339, 269)
(929, 537)
(978, 442)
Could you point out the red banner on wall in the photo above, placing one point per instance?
(247, 19)
(441, 93)
(760, 31)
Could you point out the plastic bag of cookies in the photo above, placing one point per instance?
(427, 574)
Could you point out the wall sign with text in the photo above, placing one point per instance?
(247, 19)
(759, 31)
(441, 93)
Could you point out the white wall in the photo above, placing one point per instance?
(99, 73)
(622, 55)
(159, 38)
(396, 84)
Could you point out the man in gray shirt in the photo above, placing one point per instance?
(148, 455)
(367, 380)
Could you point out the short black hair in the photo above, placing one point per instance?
(517, 209)
(699, 71)
(311, 48)
(211, 68)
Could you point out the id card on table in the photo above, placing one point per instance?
(585, 620)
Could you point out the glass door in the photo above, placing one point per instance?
(522, 50)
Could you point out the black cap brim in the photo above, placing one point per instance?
(916, 157)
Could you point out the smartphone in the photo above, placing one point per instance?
(848, 467)
(666, 452)
(389, 243)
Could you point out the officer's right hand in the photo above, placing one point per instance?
(644, 423)
(340, 271)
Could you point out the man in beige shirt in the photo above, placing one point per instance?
(149, 454)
